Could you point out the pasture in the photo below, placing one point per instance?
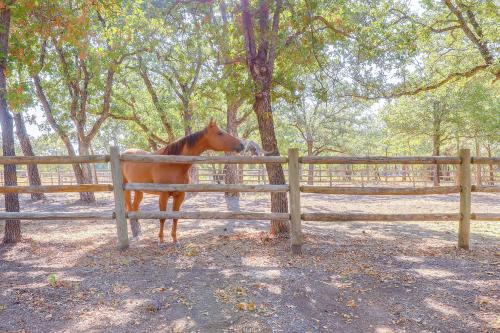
(69, 276)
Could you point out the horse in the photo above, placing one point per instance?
(209, 138)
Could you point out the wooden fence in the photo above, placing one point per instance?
(294, 188)
(345, 174)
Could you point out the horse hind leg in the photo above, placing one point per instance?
(178, 199)
(128, 201)
(134, 223)
(163, 207)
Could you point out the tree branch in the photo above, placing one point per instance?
(243, 118)
(263, 49)
(450, 77)
(105, 106)
(481, 44)
(156, 102)
(274, 33)
(47, 109)
(248, 34)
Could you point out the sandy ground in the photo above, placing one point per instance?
(67, 276)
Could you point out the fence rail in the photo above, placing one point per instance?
(486, 160)
(342, 174)
(204, 188)
(379, 160)
(54, 159)
(294, 189)
(179, 159)
(335, 217)
(57, 188)
(379, 190)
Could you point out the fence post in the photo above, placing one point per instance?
(120, 216)
(294, 183)
(465, 199)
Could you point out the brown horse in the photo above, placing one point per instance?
(210, 138)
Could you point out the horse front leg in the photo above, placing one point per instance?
(128, 201)
(134, 223)
(178, 199)
(163, 207)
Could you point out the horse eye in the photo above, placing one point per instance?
(220, 133)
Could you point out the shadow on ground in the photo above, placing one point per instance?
(231, 276)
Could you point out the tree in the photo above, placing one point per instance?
(84, 51)
(420, 51)
(260, 64)
(429, 116)
(321, 124)
(176, 56)
(231, 79)
(12, 233)
(27, 149)
(477, 107)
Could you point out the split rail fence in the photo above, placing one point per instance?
(346, 174)
(294, 189)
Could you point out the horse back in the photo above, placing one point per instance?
(136, 151)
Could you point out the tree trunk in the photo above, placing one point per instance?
(456, 167)
(95, 180)
(436, 141)
(490, 166)
(156, 102)
(310, 175)
(12, 232)
(86, 173)
(231, 170)
(279, 201)
(152, 143)
(479, 180)
(348, 172)
(260, 64)
(187, 117)
(77, 169)
(26, 147)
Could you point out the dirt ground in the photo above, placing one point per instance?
(229, 276)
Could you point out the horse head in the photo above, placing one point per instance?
(220, 140)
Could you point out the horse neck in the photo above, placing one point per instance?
(196, 150)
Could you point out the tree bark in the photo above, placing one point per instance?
(279, 201)
(77, 168)
(86, 175)
(95, 179)
(24, 140)
(436, 143)
(260, 64)
(490, 166)
(310, 175)
(479, 179)
(156, 102)
(436, 152)
(231, 170)
(12, 232)
(187, 117)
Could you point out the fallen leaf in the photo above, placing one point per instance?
(351, 303)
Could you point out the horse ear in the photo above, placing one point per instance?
(212, 122)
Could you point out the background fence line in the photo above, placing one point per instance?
(414, 175)
(463, 172)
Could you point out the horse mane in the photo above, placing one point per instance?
(175, 148)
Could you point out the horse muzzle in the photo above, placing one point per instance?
(239, 148)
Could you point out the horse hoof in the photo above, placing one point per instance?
(134, 239)
(162, 245)
(177, 245)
